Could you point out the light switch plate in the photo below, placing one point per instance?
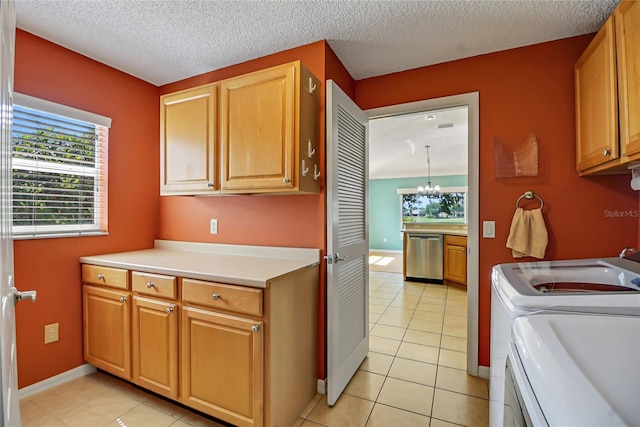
(489, 229)
(213, 226)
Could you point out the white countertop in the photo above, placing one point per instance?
(242, 265)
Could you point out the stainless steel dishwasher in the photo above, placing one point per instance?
(424, 257)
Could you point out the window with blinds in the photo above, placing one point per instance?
(59, 170)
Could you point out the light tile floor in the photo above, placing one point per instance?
(413, 376)
(101, 400)
(415, 373)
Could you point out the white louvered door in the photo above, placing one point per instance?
(347, 239)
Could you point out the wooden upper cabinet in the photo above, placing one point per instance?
(269, 131)
(188, 142)
(627, 21)
(596, 101)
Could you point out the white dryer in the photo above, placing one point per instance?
(605, 286)
(574, 370)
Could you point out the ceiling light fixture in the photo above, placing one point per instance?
(430, 117)
(429, 190)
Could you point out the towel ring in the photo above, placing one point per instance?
(529, 195)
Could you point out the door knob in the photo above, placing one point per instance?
(19, 296)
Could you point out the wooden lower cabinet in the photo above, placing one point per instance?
(155, 346)
(107, 330)
(455, 258)
(222, 370)
(244, 355)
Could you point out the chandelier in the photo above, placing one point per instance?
(429, 190)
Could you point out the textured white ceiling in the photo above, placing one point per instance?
(397, 144)
(165, 41)
(169, 40)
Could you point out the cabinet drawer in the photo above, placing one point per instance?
(153, 284)
(108, 276)
(450, 239)
(226, 297)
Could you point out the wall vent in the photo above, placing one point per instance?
(445, 125)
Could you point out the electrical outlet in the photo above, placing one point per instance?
(50, 333)
(213, 226)
(384, 240)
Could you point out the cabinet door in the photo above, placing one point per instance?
(455, 263)
(221, 369)
(155, 346)
(627, 17)
(596, 101)
(106, 330)
(258, 123)
(188, 141)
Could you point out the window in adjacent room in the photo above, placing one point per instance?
(59, 170)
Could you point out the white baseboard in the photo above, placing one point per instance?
(59, 379)
(322, 387)
(391, 251)
(483, 372)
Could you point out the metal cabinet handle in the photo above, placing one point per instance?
(123, 299)
(209, 184)
(255, 328)
(150, 285)
(169, 310)
(606, 152)
(100, 276)
(215, 297)
(286, 180)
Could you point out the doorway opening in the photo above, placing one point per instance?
(454, 164)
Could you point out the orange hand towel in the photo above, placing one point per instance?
(528, 234)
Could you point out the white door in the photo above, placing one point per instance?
(9, 372)
(347, 239)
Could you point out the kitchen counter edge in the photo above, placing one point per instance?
(252, 266)
(434, 231)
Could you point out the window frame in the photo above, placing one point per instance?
(465, 190)
(99, 173)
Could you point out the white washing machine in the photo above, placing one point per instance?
(605, 286)
(573, 370)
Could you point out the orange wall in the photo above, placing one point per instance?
(250, 220)
(50, 266)
(294, 220)
(524, 90)
(521, 90)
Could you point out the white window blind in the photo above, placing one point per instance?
(59, 170)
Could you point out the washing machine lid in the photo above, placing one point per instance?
(583, 369)
(607, 285)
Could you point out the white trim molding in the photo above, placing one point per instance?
(56, 380)
(472, 101)
(483, 372)
(322, 387)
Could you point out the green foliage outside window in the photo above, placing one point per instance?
(447, 207)
(48, 186)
